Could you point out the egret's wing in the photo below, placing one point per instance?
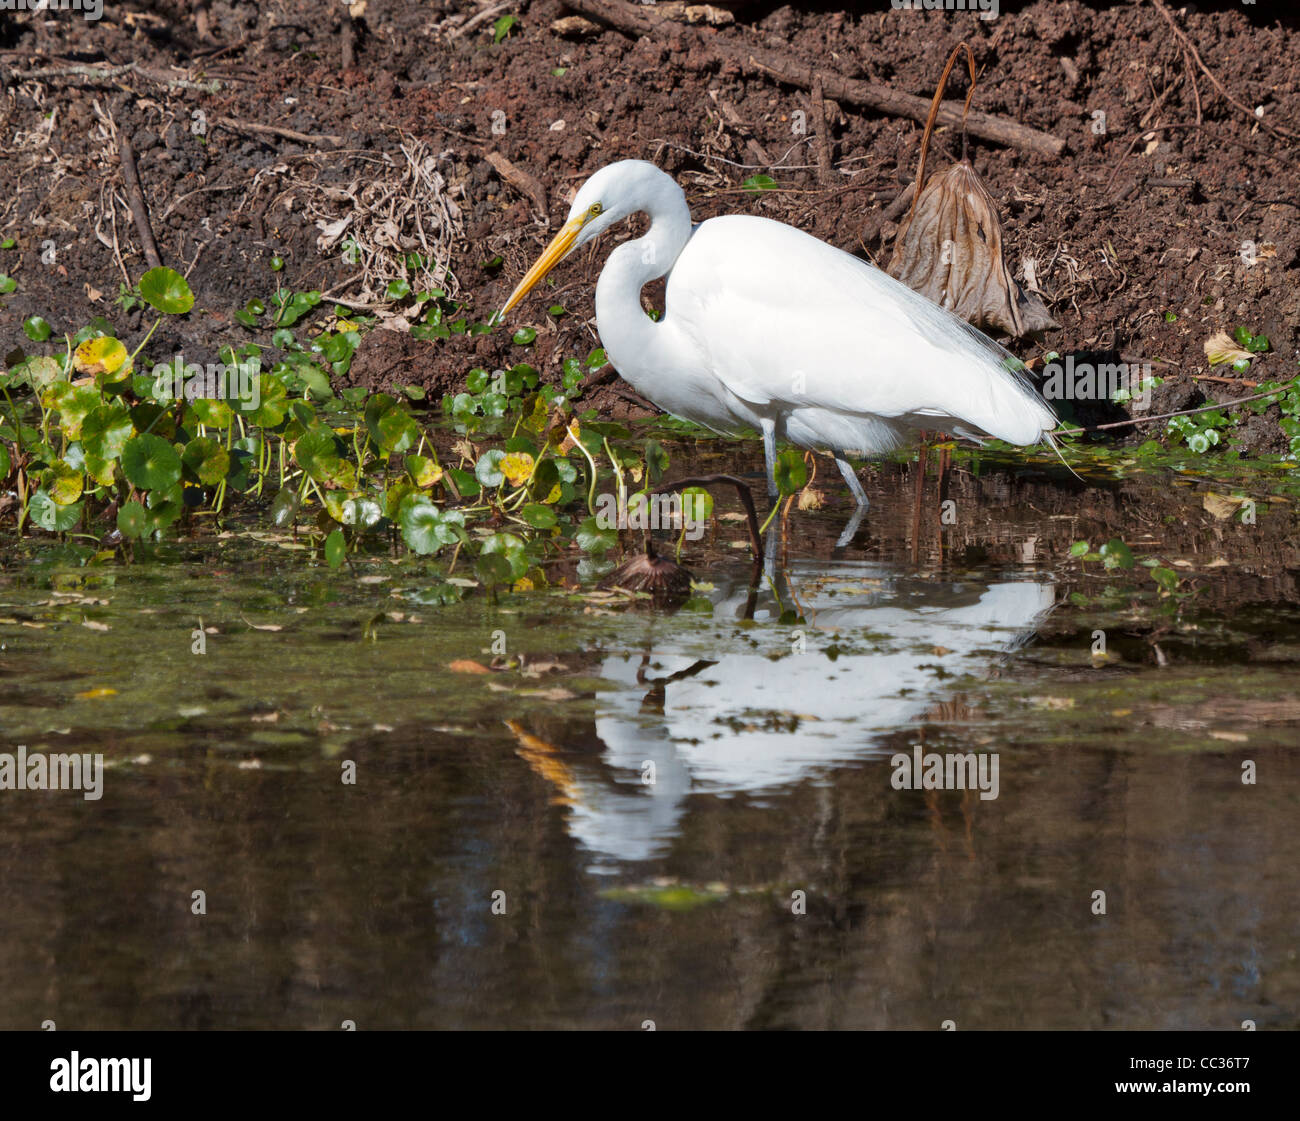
(786, 319)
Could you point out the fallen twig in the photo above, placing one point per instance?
(825, 171)
(634, 21)
(1188, 45)
(319, 139)
(481, 17)
(1180, 412)
(105, 73)
(522, 182)
(139, 207)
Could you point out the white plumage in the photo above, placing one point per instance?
(767, 327)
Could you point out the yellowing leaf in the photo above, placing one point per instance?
(104, 356)
(516, 467)
(571, 436)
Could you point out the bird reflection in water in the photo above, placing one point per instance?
(719, 710)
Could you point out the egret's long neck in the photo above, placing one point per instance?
(626, 332)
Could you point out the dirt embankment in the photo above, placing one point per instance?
(1172, 212)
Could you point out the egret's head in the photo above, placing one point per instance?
(609, 196)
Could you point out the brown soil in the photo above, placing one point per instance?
(1116, 256)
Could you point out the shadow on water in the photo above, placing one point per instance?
(772, 874)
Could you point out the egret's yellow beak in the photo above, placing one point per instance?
(560, 247)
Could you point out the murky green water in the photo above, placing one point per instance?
(771, 874)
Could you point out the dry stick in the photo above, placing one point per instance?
(874, 225)
(104, 73)
(746, 498)
(274, 130)
(521, 181)
(349, 37)
(1001, 131)
(629, 19)
(1181, 412)
(825, 172)
(1182, 38)
(475, 20)
(135, 196)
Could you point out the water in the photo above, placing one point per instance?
(771, 875)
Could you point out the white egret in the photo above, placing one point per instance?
(767, 327)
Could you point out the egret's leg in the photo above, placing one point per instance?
(851, 477)
(850, 529)
(769, 455)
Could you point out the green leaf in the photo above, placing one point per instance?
(1167, 578)
(212, 412)
(132, 520)
(284, 507)
(502, 27)
(7, 284)
(50, 515)
(467, 486)
(525, 336)
(75, 403)
(167, 291)
(273, 402)
(791, 471)
(206, 460)
(335, 548)
(150, 462)
(1115, 554)
(6, 463)
(397, 290)
(492, 568)
(364, 512)
(1079, 549)
(36, 329)
(756, 183)
(397, 431)
(425, 528)
(697, 506)
(316, 452)
(538, 516)
(106, 430)
(592, 538)
(510, 547)
(487, 470)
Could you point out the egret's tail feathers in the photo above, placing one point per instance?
(1052, 443)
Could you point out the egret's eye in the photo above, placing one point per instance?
(594, 209)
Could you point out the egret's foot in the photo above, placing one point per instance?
(854, 483)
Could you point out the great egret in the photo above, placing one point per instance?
(766, 327)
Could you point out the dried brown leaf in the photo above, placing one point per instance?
(950, 250)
